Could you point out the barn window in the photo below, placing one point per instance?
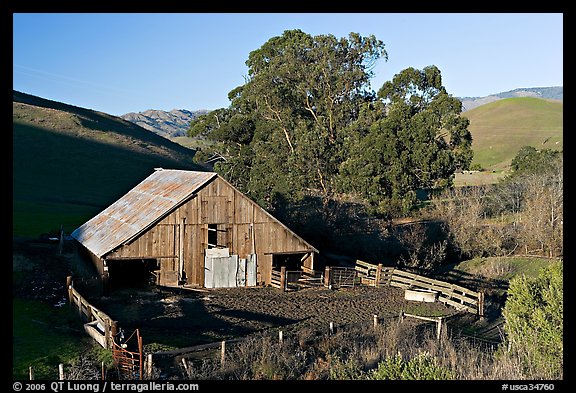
(218, 236)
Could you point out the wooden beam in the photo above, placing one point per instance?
(181, 238)
(287, 252)
(141, 257)
(283, 278)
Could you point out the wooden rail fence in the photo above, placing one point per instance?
(448, 293)
(98, 325)
(289, 280)
(104, 330)
(364, 273)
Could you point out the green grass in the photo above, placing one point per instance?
(499, 129)
(34, 218)
(503, 268)
(43, 337)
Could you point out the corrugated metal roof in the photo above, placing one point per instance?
(141, 207)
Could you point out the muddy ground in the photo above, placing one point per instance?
(180, 318)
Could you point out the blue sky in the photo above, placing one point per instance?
(120, 63)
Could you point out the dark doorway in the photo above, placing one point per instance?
(131, 273)
(290, 261)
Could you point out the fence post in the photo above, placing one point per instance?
(107, 335)
(61, 240)
(375, 321)
(103, 371)
(61, 372)
(331, 327)
(327, 277)
(222, 352)
(31, 373)
(69, 290)
(481, 303)
(378, 275)
(80, 313)
(283, 278)
(149, 366)
(140, 349)
(280, 337)
(401, 317)
(89, 314)
(438, 328)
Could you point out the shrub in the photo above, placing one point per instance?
(534, 322)
(421, 367)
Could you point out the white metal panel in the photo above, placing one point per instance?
(251, 270)
(241, 273)
(217, 252)
(208, 272)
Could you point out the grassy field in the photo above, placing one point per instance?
(43, 337)
(502, 268)
(69, 163)
(499, 129)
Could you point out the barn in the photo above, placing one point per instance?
(190, 229)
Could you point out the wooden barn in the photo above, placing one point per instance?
(191, 229)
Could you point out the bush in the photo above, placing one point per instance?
(421, 367)
(534, 313)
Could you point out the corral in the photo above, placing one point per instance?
(178, 320)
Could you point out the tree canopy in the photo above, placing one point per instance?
(307, 122)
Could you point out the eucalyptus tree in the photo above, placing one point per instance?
(291, 116)
(417, 140)
(307, 123)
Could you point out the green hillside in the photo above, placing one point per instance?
(69, 163)
(501, 128)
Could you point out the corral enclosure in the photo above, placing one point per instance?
(192, 229)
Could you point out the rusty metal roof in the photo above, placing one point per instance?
(140, 208)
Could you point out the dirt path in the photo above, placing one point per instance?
(174, 320)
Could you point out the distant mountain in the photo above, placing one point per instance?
(167, 124)
(550, 93)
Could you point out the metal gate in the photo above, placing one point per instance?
(343, 277)
(128, 363)
(229, 271)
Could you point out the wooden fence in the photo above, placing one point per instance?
(277, 279)
(365, 273)
(448, 293)
(98, 325)
(104, 330)
(289, 280)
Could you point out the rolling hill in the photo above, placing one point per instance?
(69, 163)
(500, 128)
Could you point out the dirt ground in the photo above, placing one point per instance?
(170, 319)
